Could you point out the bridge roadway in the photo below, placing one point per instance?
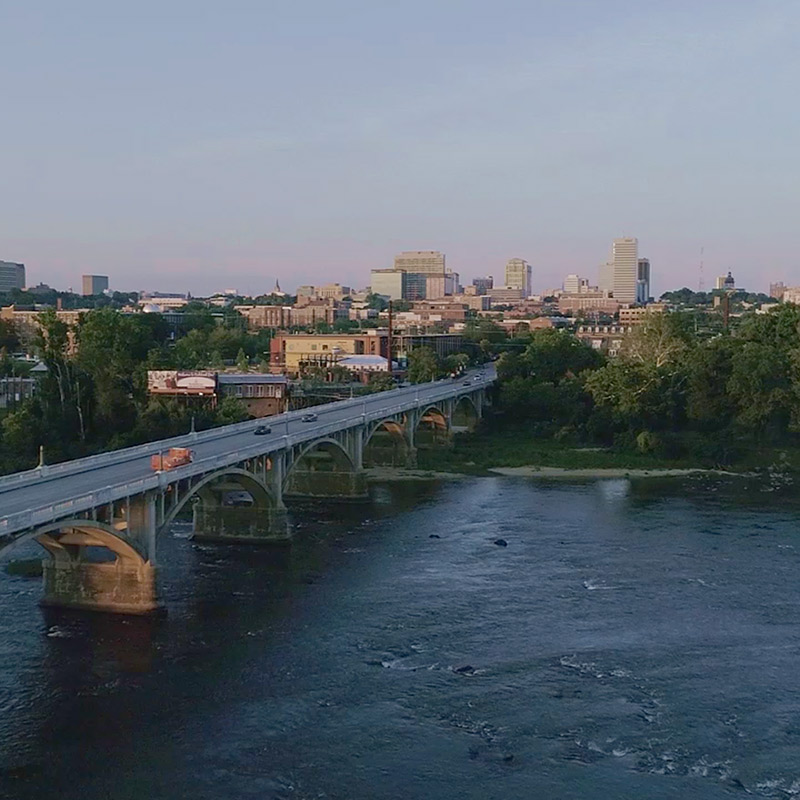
(33, 490)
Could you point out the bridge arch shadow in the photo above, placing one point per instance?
(324, 469)
(386, 445)
(465, 416)
(433, 428)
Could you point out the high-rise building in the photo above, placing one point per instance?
(625, 265)
(605, 277)
(94, 284)
(572, 283)
(12, 276)
(483, 285)
(438, 286)
(389, 283)
(776, 290)
(420, 261)
(643, 281)
(518, 275)
(416, 286)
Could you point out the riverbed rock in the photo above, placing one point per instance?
(501, 542)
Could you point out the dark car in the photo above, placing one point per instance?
(308, 418)
(466, 383)
(262, 430)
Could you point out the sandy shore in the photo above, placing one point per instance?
(598, 472)
(399, 474)
(531, 471)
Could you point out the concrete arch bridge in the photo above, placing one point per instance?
(100, 518)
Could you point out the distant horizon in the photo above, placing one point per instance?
(189, 146)
(709, 278)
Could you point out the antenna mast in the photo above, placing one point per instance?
(701, 286)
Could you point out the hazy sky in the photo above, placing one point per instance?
(188, 144)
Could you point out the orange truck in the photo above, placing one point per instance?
(174, 457)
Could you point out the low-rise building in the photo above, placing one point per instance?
(633, 315)
(294, 353)
(505, 296)
(588, 301)
(262, 395)
(607, 339)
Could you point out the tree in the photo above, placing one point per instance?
(242, 362)
(423, 365)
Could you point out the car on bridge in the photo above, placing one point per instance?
(262, 430)
(309, 418)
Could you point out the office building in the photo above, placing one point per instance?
(389, 283)
(605, 277)
(776, 290)
(625, 269)
(572, 284)
(483, 285)
(93, 284)
(420, 261)
(12, 276)
(437, 286)
(518, 275)
(416, 287)
(643, 281)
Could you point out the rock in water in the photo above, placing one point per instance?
(501, 542)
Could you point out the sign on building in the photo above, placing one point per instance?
(170, 381)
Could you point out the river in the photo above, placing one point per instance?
(631, 640)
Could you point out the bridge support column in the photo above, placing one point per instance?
(125, 584)
(119, 587)
(332, 485)
(241, 524)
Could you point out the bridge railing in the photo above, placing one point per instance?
(25, 520)
(52, 471)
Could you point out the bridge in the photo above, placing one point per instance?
(100, 518)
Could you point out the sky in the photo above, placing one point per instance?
(191, 145)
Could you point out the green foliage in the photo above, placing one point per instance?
(423, 365)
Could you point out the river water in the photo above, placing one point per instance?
(630, 641)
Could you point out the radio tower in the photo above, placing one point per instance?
(701, 284)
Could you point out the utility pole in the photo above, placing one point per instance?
(391, 335)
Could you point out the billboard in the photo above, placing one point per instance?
(170, 381)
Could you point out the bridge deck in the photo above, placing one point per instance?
(33, 497)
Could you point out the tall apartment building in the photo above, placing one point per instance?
(93, 284)
(643, 281)
(420, 261)
(12, 276)
(518, 275)
(625, 266)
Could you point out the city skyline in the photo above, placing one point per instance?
(165, 171)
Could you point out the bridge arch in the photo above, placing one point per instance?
(386, 444)
(433, 427)
(465, 415)
(211, 491)
(325, 468)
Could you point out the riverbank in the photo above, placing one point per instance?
(532, 471)
(382, 474)
(493, 448)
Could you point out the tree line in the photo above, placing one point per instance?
(672, 390)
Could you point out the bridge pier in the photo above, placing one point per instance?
(241, 524)
(122, 581)
(118, 587)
